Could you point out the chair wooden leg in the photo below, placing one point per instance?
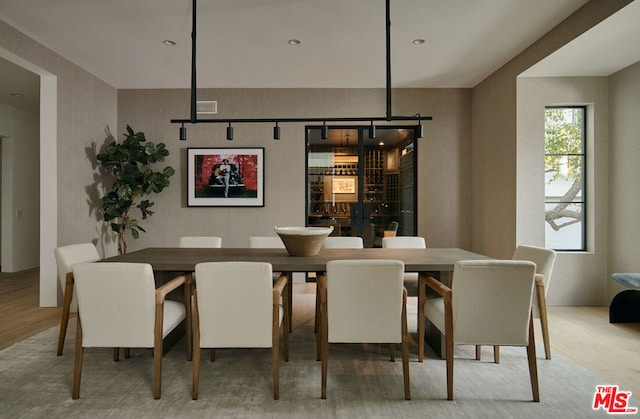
(496, 354)
(316, 326)
(66, 309)
(533, 368)
(478, 352)
(188, 318)
(127, 352)
(290, 301)
(405, 349)
(116, 354)
(196, 367)
(542, 308)
(392, 352)
(275, 345)
(196, 349)
(324, 330)
(448, 336)
(421, 318)
(77, 364)
(212, 355)
(157, 352)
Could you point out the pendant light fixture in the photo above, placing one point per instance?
(276, 130)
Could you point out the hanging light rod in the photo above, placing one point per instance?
(389, 117)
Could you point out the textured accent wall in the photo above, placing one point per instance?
(444, 156)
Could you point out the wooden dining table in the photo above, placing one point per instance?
(169, 260)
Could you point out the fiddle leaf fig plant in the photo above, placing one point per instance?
(130, 162)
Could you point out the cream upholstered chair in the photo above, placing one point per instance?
(335, 242)
(275, 242)
(380, 315)
(466, 317)
(66, 257)
(407, 242)
(119, 306)
(266, 242)
(201, 241)
(236, 305)
(343, 242)
(544, 260)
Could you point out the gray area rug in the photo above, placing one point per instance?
(35, 383)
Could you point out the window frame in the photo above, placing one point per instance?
(583, 196)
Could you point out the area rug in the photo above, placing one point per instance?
(362, 383)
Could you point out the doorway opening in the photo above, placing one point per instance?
(362, 186)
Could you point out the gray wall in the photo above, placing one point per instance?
(468, 171)
(579, 278)
(624, 176)
(76, 109)
(443, 198)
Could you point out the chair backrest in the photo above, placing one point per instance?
(201, 241)
(116, 304)
(377, 286)
(266, 242)
(235, 304)
(67, 256)
(491, 302)
(404, 242)
(343, 242)
(542, 257)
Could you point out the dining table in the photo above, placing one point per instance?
(170, 260)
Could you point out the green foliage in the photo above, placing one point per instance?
(130, 163)
(563, 136)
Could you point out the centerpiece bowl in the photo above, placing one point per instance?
(303, 241)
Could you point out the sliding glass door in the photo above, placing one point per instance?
(362, 186)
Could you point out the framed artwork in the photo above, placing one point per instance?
(225, 177)
(343, 184)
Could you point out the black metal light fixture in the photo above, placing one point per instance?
(419, 128)
(229, 132)
(276, 132)
(372, 131)
(388, 118)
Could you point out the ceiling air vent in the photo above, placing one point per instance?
(207, 106)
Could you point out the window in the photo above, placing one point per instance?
(564, 177)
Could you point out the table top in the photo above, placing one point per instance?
(184, 259)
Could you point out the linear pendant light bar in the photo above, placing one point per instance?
(371, 119)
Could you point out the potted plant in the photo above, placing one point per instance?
(130, 163)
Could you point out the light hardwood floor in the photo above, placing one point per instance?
(582, 334)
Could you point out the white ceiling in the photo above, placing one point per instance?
(243, 43)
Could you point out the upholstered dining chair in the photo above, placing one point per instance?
(407, 242)
(66, 257)
(236, 305)
(380, 316)
(120, 307)
(275, 242)
(465, 317)
(544, 260)
(201, 241)
(335, 242)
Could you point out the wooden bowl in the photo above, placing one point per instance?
(303, 241)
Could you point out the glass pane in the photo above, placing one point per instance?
(564, 226)
(361, 194)
(563, 130)
(563, 178)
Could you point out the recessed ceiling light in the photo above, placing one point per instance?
(16, 94)
(418, 41)
(294, 42)
(169, 42)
